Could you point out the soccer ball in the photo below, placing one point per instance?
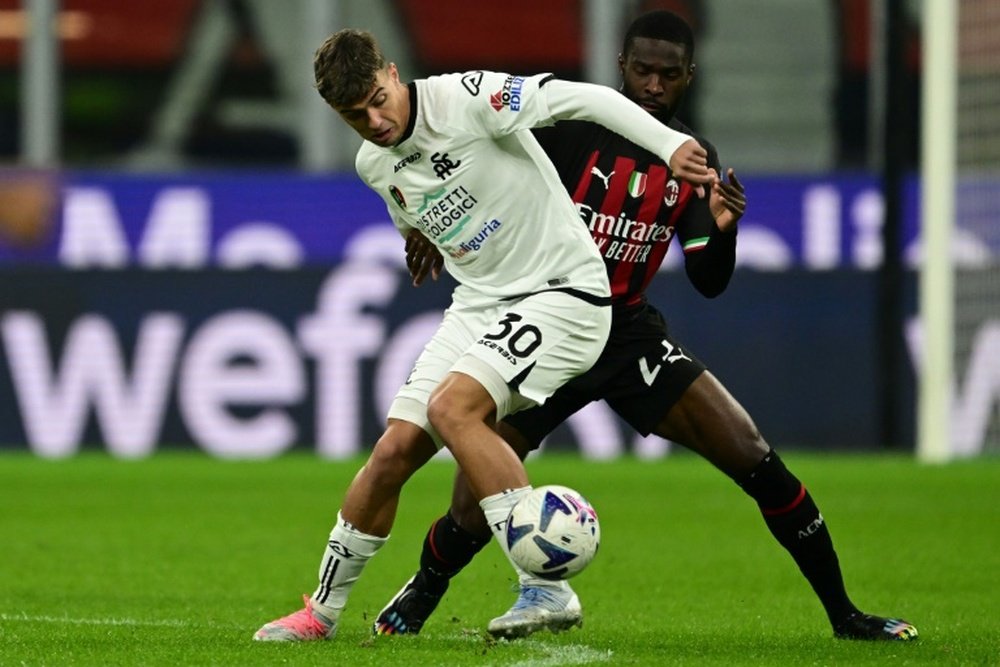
(553, 532)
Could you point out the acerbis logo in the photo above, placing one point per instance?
(413, 157)
(509, 95)
(472, 82)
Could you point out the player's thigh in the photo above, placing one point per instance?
(710, 421)
(643, 382)
(526, 429)
(457, 331)
(535, 346)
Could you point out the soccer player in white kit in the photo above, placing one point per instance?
(453, 157)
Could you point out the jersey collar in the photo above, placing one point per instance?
(412, 120)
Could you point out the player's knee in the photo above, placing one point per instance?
(445, 413)
(458, 403)
(739, 431)
(393, 461)
(751, 441)
(747, 449)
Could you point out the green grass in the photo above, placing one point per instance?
(176, 560)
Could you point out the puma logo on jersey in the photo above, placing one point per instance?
(606, 179)
(672, 355)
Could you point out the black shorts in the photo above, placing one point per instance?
(641, 373)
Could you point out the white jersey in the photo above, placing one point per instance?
(472, 178)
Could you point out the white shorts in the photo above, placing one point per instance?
(520, 351)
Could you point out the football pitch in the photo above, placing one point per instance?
(178, 559)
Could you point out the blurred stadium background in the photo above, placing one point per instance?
(188, 260)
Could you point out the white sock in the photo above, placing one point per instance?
(497, 509)
(346, 555)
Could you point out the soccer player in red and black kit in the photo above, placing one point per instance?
(633, 208)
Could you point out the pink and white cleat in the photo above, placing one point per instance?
(304, 625)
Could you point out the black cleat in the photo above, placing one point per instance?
(874, 628)
(410, 608)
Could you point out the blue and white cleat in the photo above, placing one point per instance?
(549, 606)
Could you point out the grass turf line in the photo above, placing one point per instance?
(177, 559)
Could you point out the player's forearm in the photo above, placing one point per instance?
(568, 100)
(710, 269)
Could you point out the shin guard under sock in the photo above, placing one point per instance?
(795, 521)
(447, 549)
(345, 556)
(497, 509)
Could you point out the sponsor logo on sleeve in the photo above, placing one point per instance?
(509, 94)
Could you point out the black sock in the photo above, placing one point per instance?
(795, 521)
(447, 549)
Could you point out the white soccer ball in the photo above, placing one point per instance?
(553, 532)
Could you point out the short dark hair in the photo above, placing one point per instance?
(346, 65)
(663, 25)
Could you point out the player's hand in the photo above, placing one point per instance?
(422, 257)
(690, 162)
(727, 200)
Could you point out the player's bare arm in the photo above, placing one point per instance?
(727, 200)
(422, 258)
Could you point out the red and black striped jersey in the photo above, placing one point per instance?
(633, 207)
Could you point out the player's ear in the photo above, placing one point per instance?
(690, 72)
